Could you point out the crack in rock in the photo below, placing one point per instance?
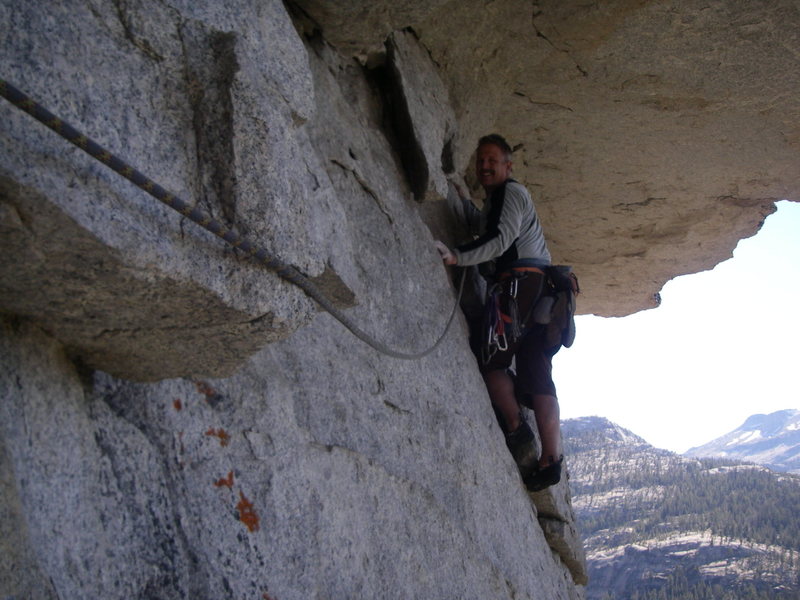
(363, 183)
(583, 71)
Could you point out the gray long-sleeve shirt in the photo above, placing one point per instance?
(508, 228)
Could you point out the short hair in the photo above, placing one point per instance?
(499, 141)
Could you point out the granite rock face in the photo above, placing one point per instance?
(269, 482)
(186, 96)
(178, 421)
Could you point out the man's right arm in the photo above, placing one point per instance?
(465, 210)
(472, 216)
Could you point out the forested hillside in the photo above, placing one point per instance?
(658, 526)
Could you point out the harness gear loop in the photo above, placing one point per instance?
(513, 307)
(284, 270)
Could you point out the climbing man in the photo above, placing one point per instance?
(513, 256)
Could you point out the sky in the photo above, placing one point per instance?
(721, 347)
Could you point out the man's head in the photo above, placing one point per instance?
(492, 161)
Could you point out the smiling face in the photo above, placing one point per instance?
(492, 166)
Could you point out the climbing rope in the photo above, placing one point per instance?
(284, 270)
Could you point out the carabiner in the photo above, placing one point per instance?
(501, 342)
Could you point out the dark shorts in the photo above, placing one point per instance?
(532, 359)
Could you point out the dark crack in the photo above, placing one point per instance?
(363, 183)
(139, 42)
(210, 68)
(398, 123)
(647, 202)
(396, 408)
(544, 105)
(583, 71)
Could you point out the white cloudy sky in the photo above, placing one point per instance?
(721, 347)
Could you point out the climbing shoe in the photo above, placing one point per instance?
(544, 477)
(522, 444)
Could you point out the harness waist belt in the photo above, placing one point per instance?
(507, 274)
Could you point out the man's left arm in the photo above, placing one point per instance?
(502, 229)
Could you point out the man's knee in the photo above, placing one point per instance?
(498, 380)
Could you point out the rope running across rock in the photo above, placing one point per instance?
(284, 270)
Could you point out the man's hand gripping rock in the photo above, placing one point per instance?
(447, 255)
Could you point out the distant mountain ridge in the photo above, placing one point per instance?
(660, 526)
(771, 440)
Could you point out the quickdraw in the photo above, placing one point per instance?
(284, 270)
(513, 309)
(495, 325)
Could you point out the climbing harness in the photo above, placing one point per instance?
(503, 329)
(284, 270)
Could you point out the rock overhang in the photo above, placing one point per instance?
(653, 135)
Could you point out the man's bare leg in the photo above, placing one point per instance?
(548, 420)
(520, 439)
(501, 392)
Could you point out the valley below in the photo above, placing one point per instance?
(660, 526)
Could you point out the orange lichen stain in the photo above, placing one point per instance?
(223, 436)
(177, 404)
(205, 389)
(247, 513)
(225, 481)
(266, 596)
